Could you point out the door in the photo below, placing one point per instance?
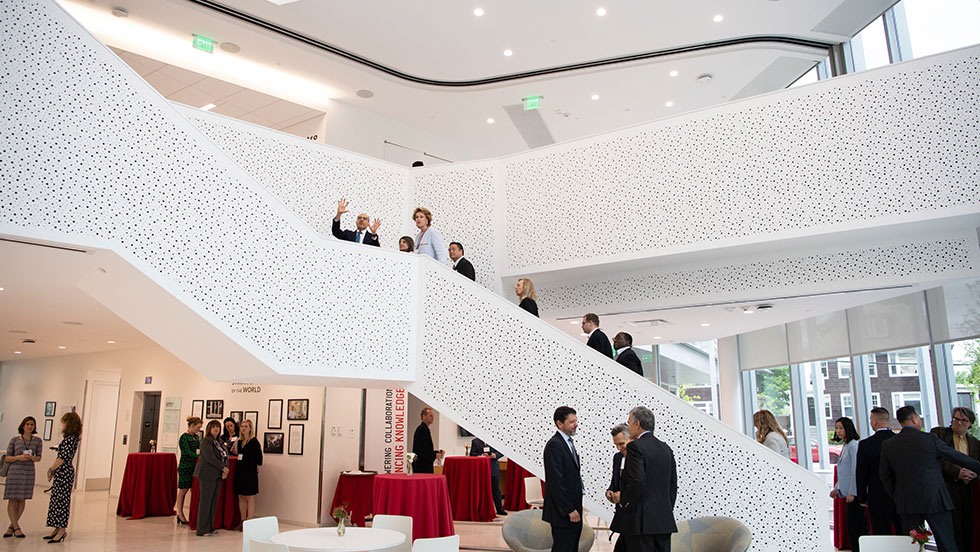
(150, 420)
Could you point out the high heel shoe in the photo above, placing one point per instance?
(19, 534)
(9, 533)
(182, 521)
(59, 539)
(51, 536)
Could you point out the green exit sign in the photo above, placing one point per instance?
(203, 44)
(532, 102)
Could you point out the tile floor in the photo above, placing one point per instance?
(94, 527)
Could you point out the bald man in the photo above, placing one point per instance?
(368, 235)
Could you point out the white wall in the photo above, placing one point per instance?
(341, 441)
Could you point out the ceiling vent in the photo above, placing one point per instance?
(648, 323)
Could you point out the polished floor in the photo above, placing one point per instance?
(94, 527)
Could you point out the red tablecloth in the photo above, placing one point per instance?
(227, 515)
(468, 478)
(424, 497)
(357, 490)
(514, 487)
(149, 486)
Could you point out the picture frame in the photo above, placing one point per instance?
(214, 409)
(275, 414)
(236, 415)
(50, 407)
(253, 415)
(48, 426)
(298, 409)
(197, 409)
(296, 434)
(272, 442)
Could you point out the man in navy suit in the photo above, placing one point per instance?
(597, 339)
(563, 483)
(479, 448)
(460, 264)
(363, 233)
(621, 437)
(870, 491)
(625, 354)
(911, 469)
(649, 487)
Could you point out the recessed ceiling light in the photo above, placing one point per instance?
(594, 97)
(208, 107)
(364, 93)
(508, 52)
(72, 323)
(111, 342)
(600, 12)
(748, 310)
(718, 18)
(669, 104)
(230, 47)
(119, 12)
(1, 289)
(673, 73)
(478, 12)
(490, 121)
(657, 337)
(705, 325)
(62, 347)
(704, 78)
(16, 352)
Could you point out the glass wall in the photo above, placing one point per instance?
(771, 390)
(935, 26)
(690, 371)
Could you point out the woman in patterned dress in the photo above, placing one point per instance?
(63, 474)
(190, 446)
(22, 452)
(246, 482)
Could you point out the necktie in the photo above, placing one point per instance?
(357, 238)
(571, 445)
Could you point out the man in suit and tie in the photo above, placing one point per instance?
(368, 235)
(870, 491)
(479, 448)
(911, 470)
(425, 451)
(461, 265)
(597, 339)
(621, 437)
(563, 483)
(649, 487)
(625, 354)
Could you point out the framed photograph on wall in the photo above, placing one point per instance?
(296, 439)
(298, 409)
(49, 408)
(275, 413)
(253, 415)
(272, 443)
(197, 409)
(215, 409)
(48, 426)
(236, 415)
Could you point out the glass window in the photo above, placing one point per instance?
(904, 378)
(847, 405)
(809, 77)
(824, 369)
(875, 400)
(939, 26)
(903, 364)
(827, 412)
(820, 428)
(870, 48)
(690, 371)
(843, 368)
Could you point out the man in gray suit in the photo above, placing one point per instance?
(911, 471)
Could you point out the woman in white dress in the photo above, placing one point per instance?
(429, 241)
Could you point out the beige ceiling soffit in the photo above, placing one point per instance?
(45, 245)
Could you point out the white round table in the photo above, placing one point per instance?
(325, 539)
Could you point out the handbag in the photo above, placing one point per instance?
(4, 465)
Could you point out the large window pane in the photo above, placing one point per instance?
(870, 48)
(773, 393)
(690, 371)
(966, 369)
(936, 26)
(904, 378)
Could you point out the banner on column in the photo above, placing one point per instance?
(385, 439)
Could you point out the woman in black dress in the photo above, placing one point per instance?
(247, 473)
(229, 437)
(63, 474)
(525, 290)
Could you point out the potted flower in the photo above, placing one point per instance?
(341, 514)
(920, 536)
(409, 458)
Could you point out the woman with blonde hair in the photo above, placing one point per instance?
(429, 241)
(63, 475)
(529, 298)
(769, 433)
(190, 447)
(247, 472)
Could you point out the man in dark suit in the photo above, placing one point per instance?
(625, 354)
(621, 437)
(425, 451)
(461, 265)
(479, 448)
(959, 480)
(363, 233)
(563, 483)
(870, 491)
(597, 339)
(649, 487)
(911, 470)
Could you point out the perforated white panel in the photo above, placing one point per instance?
(929, 259)
(517, 371)
(861, 148)
(309, 178)
(71, 117)
(463, 207)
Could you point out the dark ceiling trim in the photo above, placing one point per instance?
(320, 45)
(48, 245)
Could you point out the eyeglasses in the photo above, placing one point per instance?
(961, 420)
